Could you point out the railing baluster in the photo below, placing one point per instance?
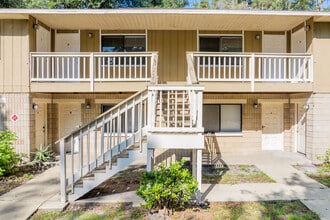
(102, 140)
(176, 109)
(160, 108)
(95, 144)
(63, 172)
(72, 163)
(235, 70)
(126, 124)
(183, 108)
(80, 148)
(219, 67)
(111, 141)
(88, 147)
(168, 109)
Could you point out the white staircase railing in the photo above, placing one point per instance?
(101, 140)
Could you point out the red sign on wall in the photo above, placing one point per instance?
(14, 117)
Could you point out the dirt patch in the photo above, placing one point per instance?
(124, 181)
(234, 174)
(25, 172)
(129, 180)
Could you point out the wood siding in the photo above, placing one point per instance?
(251, 44)
(321, 52)
(89, 44)
(14, 57)
(172, 47)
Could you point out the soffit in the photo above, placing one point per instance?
(170, 19)
(154, 21)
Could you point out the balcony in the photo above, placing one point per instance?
(92, 72)
(130, 72)
(251, 72)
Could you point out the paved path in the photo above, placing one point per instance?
(23, 201)
(43, 191)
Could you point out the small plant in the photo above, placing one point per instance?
(325, 159)
(167, 188)
(42, 155)
(8, 157)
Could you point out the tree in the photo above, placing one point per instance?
(173, 3)
(12, 4)
(303, 5)
(95, 4)
(271, 4)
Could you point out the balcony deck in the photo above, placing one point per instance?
(129, 72)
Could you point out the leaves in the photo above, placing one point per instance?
(8, 157)
(166, 187)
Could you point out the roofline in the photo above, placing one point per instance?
(21, 12)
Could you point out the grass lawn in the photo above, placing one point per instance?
(293, 210)
(318, 173)
(322, 176)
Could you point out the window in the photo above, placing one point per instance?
(123, 43)
(222, 117)
(220, 44)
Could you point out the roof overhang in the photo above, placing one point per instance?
(167, 19)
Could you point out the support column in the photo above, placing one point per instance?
(197, 171)
(150, 159)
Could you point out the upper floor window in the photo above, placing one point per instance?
(123, 43)
(220, 43)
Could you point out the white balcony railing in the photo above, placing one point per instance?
(250, 67)
(93, 67)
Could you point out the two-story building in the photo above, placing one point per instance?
(213, 81)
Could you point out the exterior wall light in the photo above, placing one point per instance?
(35, 106)
(255, 105)
(35, 26)
(257, 37)
(87, 105)
(307, 27)
(90, 35)
(306, 106)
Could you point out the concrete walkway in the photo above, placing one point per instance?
(42, 192)
(23, 201)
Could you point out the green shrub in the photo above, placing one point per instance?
(42, 155)
(325, 159)
(167, 188)
(8, 157)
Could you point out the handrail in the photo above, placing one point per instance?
(104, 114)
(101, 139)
(93, 67)
(249, 67)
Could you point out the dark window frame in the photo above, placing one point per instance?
(218, 40)
(219, 122)
(123, 39)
